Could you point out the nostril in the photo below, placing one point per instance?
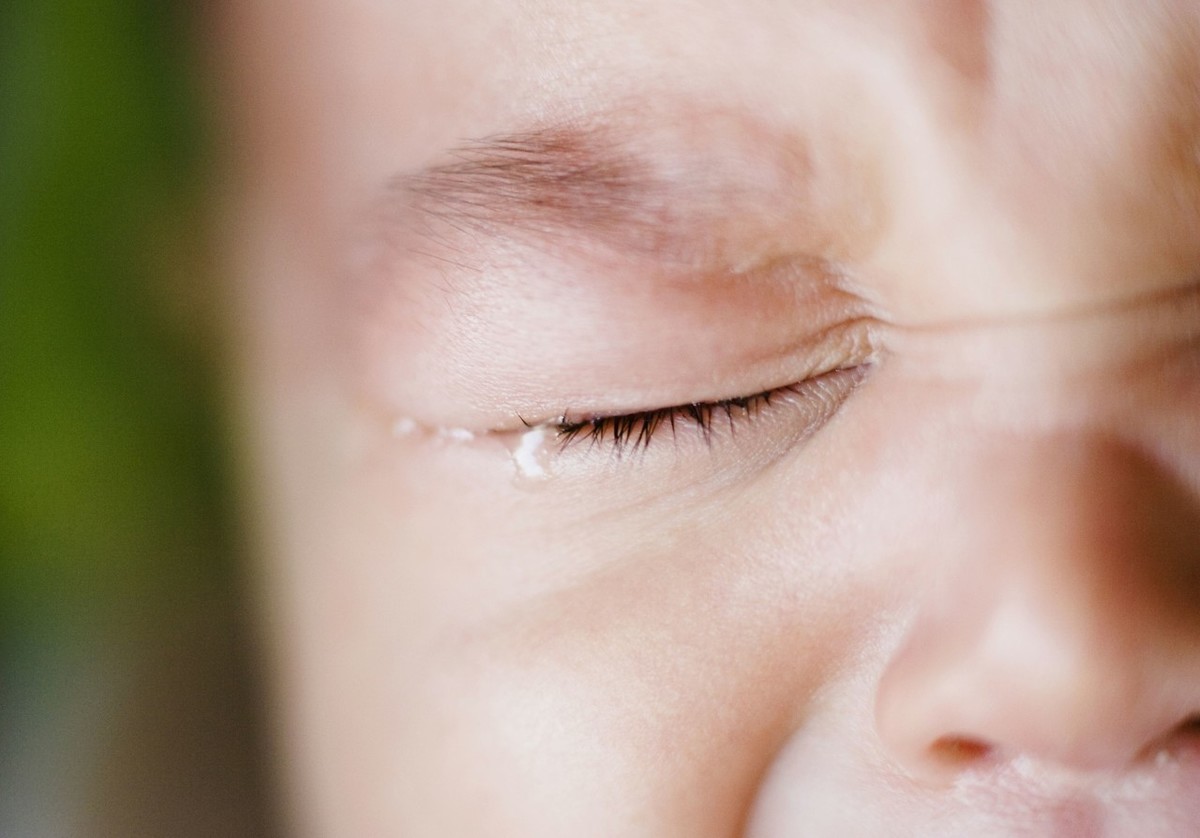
(1189, 727)
(1186, 735)
(1183, 738)
(957, 752)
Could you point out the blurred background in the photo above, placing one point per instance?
(128, 692)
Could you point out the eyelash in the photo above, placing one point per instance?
(633, 432)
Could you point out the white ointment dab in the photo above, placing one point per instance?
(455, 435)
(531, 451)
(404, 427)
(530, 455)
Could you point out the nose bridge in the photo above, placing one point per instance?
(1064, 622)
(1086, 517)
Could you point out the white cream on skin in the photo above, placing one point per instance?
(529, 453)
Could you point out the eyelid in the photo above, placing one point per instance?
(853, 341)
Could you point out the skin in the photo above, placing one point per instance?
(955, 592)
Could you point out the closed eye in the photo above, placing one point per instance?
(811, 402)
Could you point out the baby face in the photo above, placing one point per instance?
(696, 418)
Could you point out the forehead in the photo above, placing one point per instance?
(1049, 150)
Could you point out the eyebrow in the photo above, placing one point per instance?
(694, 189)
(547, 184)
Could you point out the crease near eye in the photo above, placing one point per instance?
(813, 400)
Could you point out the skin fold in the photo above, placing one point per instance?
(931, 565)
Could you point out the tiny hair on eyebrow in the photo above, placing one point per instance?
(547, 183)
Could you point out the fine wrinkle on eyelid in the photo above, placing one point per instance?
(1183, 298)
(1113, 334)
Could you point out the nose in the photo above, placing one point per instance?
(1063, 625)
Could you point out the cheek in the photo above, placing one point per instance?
(629, 694)
(646, 665)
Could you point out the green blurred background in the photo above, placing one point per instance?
(127, 702)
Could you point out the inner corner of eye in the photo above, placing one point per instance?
(521, 424)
